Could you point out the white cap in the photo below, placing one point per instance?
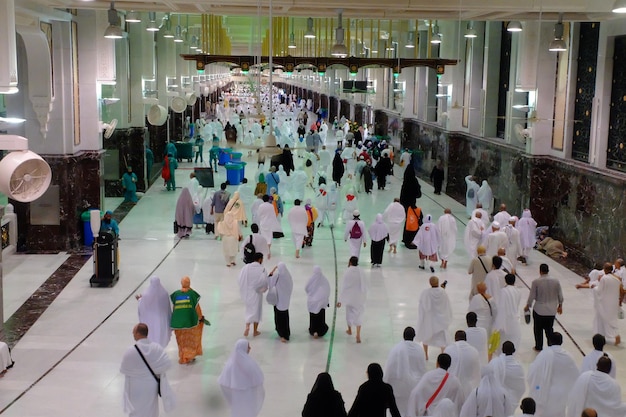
(356, 213)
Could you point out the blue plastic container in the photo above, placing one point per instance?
(233, 173)
(224, 156)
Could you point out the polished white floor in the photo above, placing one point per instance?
(68, 362)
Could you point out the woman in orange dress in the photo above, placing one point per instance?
(187, 322)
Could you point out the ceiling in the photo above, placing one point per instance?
(574, 10)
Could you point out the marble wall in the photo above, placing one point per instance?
(130, 144)
(79, 181)
(585, 207)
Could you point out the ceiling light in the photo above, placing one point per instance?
(310, 32)
(114, 31)
(194, 43)
(178, 38)
(410, 42)
(470, 33)
(558, 44)
(436, 38)
(339, 50)
(152, 26)
(12, 120)
(514, 26)
(167, 33)
(133, 17)
(292, 41)
(619, 6)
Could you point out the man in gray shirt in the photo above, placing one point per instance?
(220, 200)
(547, 296)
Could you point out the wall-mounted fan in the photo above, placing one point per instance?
(178, 104)
(24, 175)
(157, 115)
(521, 133)
(109, 128)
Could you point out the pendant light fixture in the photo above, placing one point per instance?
(152, 25)
(558, 44)
(114, 31)
(436, 38)
(292, 37)
(339, 50)
(470, 32)
(410, 42)
(514, 26)
(310, 32)
(133, 17)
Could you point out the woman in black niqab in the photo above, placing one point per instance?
(338, 169)
(374, 396)
(411, 189)
(324, 400)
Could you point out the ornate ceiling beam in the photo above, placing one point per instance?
(291, 63)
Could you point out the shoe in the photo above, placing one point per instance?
(432, 270)
(536, 349)
(421, 267)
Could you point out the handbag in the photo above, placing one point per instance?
(175, 227)
(272, 294)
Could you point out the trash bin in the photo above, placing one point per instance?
(85, 217)
(204, 176)
(224, 156)
(242, 171)
(233, 173)
(236, 157)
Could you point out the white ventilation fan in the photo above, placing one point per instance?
(157, 115)
(179, 104)
(109, 128)
(522, 133)
(191, 98)
(24, 175)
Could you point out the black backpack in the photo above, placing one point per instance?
(248, 252)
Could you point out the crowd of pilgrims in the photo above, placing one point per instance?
(477, 374)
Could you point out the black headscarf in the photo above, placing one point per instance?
(338, 168)
(411, 189)
(375, 372)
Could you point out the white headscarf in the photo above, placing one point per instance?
(378, 230)
(283, 282)
(241, 371)
(427, 238)
(317, 290)
(155, 310)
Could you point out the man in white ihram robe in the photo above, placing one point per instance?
(606, 301)
(514, 249)
(424, 391)
(434, 317)
(485, 196)
(427, 242)
(597, 390)
(355, 242)
(471, 195)
(241, 382)
(267, 221)
(404, 367)
(508, 316)
(527, 227)
(352, 296)
(474, 232)
(477, 337)
(496, 239)
(298, 219)
(465, 362)
(502, 216)
(394, 216)
(446, 225)
(141, 389)
(590, 361)
(551, 377)
(252, 284)
(510, 375)
(486, 399)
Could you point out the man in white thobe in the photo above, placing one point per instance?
(496, 239)
(474, 232)
(325, 156)
(465, 362)
(527, 227)
(404, 368)
(606, 301)
(495, 278)
(252, 284)
(427, 242)
(254, 208)
(502, 216)
(298, 219)
(267, 221)
(514, 249)
(394, 216)
(485, 196)
(551, 377)
(423, 400)
(507, 264)
(487, 399)
(352, 296)
(471, 194)
(354, 237)
(510, 375)
(590, 361)
(484, 306)
(141, 389)
(246, 195)
(477, 337)
(478, 268)
(446, 225)
(434, 317)
(597, 390)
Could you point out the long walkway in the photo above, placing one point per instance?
(67, 363)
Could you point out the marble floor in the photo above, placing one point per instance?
(67, 363)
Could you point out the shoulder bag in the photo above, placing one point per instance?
(158, 380)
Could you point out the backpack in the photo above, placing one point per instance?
(248, 252)
(355, 232)
(322, 180)
(412, 220)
